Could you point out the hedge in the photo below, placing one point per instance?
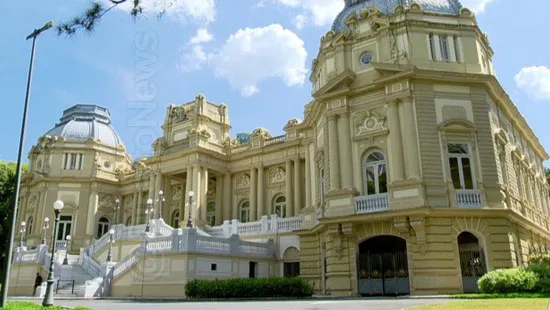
(516, 280)
(249, 288)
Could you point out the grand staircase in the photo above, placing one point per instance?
(71, 278)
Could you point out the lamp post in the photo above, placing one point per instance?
(160, 200)
(48, 297)
(109, 254)
(148, 213)
(190, 205)
(45, 227)
(22, 231)
(13, 218)
(117, 206)
(68, 246)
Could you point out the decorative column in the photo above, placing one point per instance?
(196, 190)
(396, 150)
(344, 140)
(151, 193)
(204, 193)
(261, 203)
(139, 207)
(333, 154)
(410, 141)
(92, 207)
(437, 47)
(219, 199)
(184, 214)
(253, 193)
(308, 178)
(227, 196)
(169, 198)
(288, 188)
(134, 209)
(452, 48)
(297, 187)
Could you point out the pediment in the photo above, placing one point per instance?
(341, 80)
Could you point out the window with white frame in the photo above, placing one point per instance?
(72, 161)
(211, 213)
(64, 227)
(245, 212)
(102, 227)
(375, 173)
(443, 46)
(279, 206)
(460, 163)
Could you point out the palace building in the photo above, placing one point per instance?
(412, 172)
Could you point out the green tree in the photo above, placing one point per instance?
(89, 19)
(7, 192)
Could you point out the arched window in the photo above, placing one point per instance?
(175, 219)
(129, 221)
(244, 210)
(375, 174)
(279, 206)
(211, 213)
(102, 227)
(29, 225)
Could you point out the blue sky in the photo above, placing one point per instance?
(197, 47)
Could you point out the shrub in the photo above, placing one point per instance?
(249, 288)
(515, 280)
(538, 258)
(543, 273)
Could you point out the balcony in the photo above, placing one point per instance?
(372, 203)
(468, 198)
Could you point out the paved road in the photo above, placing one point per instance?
(356, 304)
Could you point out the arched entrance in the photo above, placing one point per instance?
(472, 261)
(382, 266)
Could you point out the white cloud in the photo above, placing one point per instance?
(193, 58)
(203, 11)
(202, 36)
(252, 55)
(321, 12)
(535, 81)
(477, 6)
(299, 21)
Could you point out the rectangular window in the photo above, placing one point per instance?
(72, 161)
(291, 270)
(252, 269)
(460, 166)
(444, 48)
(457, 48)
(213, 267)
(65, 161)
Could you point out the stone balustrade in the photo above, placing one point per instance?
(267, 225)
(468, 198)
(372, 203)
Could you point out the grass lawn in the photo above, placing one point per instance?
(490, 304)
(24, 305)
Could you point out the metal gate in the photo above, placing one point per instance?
(472, 266)
(383, 273)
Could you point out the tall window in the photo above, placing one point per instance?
(457, 48)
(175, 219)
(102, 227)
(64, 228)
(29, 225)
(211, 213)
(279, 206)
(460, 164)
(245, 212)
(72, 161)
(432, 45)
(322, 184)
(291, 269)
(375, 174)
(443, 45)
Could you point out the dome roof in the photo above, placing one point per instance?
(85, 121)
(387, 7)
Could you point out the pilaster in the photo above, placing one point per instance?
(219, 199)
(410, 140)
(203, 192)
(261, 200)
(227, 196)
(253, 193)
(333, 153)
(297, 186)
(395, 153)
(288, 188)
(344, 140)
(196, 190)
(308, 177)
(184, 213)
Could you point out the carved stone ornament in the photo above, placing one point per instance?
(32, 202)
(243, 181)
(277, 175)
(368, 121)
(106, 200)
(177, 192)
(418, 224)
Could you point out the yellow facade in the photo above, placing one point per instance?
(409, 134)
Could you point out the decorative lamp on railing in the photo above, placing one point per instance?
(48, 297)
(160, 201)
(190, 205)
(109, 254)
(68, 246)
(148, 213)
(45, 227)
(22, 232)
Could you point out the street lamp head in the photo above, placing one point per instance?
(58, 205)
(48, 25)
(23, 223)
(161, 192)
(112, 231)
(117, 201)
(68, 238)
(191, 194)
(46, 220)
(149, 201)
